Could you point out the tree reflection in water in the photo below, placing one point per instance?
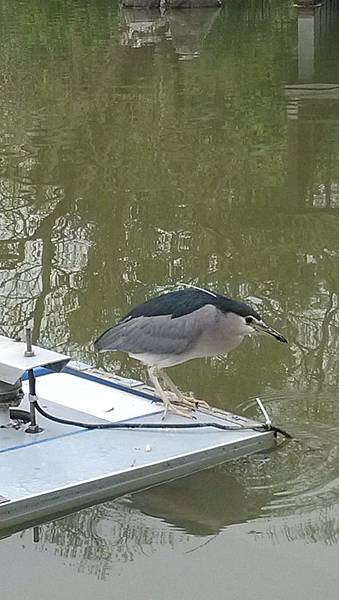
(125, 170)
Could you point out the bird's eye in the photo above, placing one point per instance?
(249, 320)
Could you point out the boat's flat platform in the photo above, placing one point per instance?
(65, 468)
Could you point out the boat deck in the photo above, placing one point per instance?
(65, 468)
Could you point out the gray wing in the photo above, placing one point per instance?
(159, 334)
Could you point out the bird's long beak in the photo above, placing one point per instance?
(261, 327)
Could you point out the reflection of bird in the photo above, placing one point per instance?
(178, 326)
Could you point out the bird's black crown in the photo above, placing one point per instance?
(186, 301)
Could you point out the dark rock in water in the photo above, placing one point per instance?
(190, 28)
(142, 27)
(148, 4)
(307, 4)
(187, 29)
(141, 3)
(193, 3)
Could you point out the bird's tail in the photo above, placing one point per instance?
(105, 341)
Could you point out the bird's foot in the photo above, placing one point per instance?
(194, 403)
(176, 406)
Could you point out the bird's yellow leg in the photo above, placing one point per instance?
(183, 411)
(165, 396)
(186, 400)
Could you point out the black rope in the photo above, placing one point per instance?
(17, 414)
(139, 426)
(277, 430)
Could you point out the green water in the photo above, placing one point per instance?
(138, 151)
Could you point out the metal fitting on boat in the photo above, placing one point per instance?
(10, 395)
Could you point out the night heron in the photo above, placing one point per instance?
(178, 326)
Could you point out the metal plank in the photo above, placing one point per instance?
(109, 485)
(65, 468)
(14, 363)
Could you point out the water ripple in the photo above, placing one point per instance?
(304, 473)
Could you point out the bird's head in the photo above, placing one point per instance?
(253, 323)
